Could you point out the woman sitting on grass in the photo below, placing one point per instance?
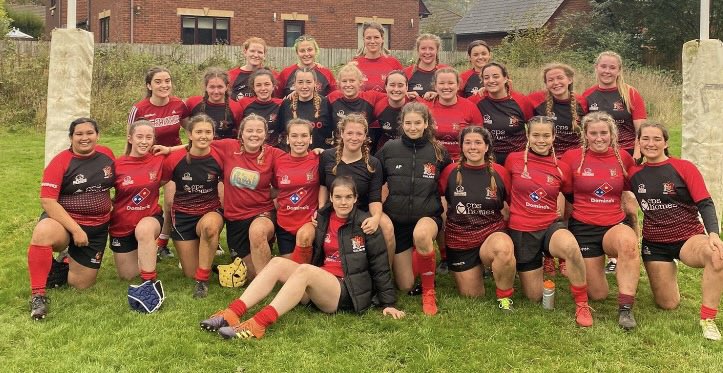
(328, 284)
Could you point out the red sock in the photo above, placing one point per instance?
(579, 293)
(266, 316)
(424, 265)
(504, 293)
(443, 252)
(40, 260)
(148, 276)
(202, 274)
(301, 254)
(626, 300)
(707, 313)
(162, 241)
(238, 307)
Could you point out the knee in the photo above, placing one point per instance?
(210, 230)
(144, 233)
(276, 261)
(667, 304)
(303, 270)
(41, 234)
(127, 275)
(627, 249)
(305, 237)
(503, 253)
(600, 293)
(80, 284)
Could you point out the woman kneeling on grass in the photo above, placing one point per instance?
(672, 195)
(348, 268)
(75, 196)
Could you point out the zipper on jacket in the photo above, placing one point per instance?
(411, 191)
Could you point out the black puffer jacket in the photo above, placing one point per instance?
(363, 259)
(411, 171)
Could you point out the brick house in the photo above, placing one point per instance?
(334, 23)
(491, 20)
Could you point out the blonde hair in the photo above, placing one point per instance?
(352, 118)
(623, 88)
(248, 118)
(600, 117)
(132, 129)
(549, 100)
(437, 42)
(374, 26)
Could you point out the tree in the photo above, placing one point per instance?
(4, 20)
(27, 22)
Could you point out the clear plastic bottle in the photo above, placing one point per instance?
(548, 295)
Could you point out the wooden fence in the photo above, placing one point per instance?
(278, 57)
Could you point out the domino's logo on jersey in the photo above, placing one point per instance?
(295, 198)
(602, 189)
(537, 195)
(140, 196)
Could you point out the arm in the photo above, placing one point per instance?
(379, 270)
(371, 224)
(56, 212)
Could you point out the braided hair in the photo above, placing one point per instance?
(217, 73)
(600, 117)
(549, 100)
(489, 156)
(623, 88)
(528, 128)
(242, 125)
(316, 98)
(352, 118)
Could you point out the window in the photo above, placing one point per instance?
(204, 30)
(387, 36)
(292, 31)
(105, 30)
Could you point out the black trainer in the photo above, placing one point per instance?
(39, 306)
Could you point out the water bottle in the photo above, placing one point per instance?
(548, 295)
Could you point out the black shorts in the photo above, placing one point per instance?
(462, 260)
(285, 240)
(529, 246)
(92, 255)
(183, 226)
(126, 244)
(404, 234)
(661, 251)
(590, 237)
(237, 233)
(345, 302)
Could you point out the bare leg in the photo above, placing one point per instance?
(320, 286)
(188, 255)
(260, 232)
(278, 270)
(621, 242)
(664, 284)
(208, 229)
(403, 272)
(498, 252)
(697, 253)
(388, 232)
(563, 245)
(147, 231)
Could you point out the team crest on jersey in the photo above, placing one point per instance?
(310, 175)
(491, 194)
(327, 238)
(602, 189)
(387, 126)
(127, 180)
(187, 177)
(613, 172)
(459, 191)
(593, 107)
(418, 87)
(618, 106)
(538, 195)
(588, 172)
(242, 178)
(211, 176)
(285, 180)
(318, 86)
(107, 172)
(429, 171)
(79, 179)
(461, 209)
(272, 117)
(357, 244)
(550, 180)
(455, 127)
(669, 188)
(153, 175)
(641, 188)
(475, 90)
(487, 119)
(140, 196)
(514, 121)
(525, 175)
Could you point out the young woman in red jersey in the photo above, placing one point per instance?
(476, 188)
(137, 218)
(421, 74)
(262, 82)
(296, 178)
(537, 177)
(196, 212)
(373, 59)
(674, 198)
(168, 114)
(326, 283)
(306, 103)
(217, 104)
(248, 207)
(504, 111)
(599, 177)
(306, 49)
(387, 111)
(412, 166)
(351, 99)
(479, 54)
(255, 55)
(75, 197)
(623, 102)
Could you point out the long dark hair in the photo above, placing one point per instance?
(489, 156)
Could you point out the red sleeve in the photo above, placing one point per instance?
(566, 186)
(133, 114)
(233, 74)
(330, 77)
(192, 102)
(589, 91)
(333, 96)
(373, 97)
(527, 110)
(169, 164)
(463, 78)
(504, 175)
(475, 99)
(408, 71)
(628, 163)
(444, 177)
(582, 102)
(536, 98)
(396, 65)
(637, 104)
(53, 175)
(474, 111)
(236, 110)
(243, 103)
(692, 177)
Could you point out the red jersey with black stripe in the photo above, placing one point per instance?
(533, 196)
(81, 184)
(239, 79)
(247, 184)
(138, 180)
(321, 119)
(610, 101)
(566, 137)
(505, 118)
(196, 179)
(470, 83)
(474, 207)
(375, 71)
(597, 185)
(668, 192)
(387, 118)
(297, 180)
(325, 82)
(363, 104)
(268, 110)
(420, 80)
(451, 119)
(227, 115)
(166, 119)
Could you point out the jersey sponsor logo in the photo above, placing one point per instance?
(602, 189)
(97, 258)
(296, 197)
(243, 178)
(618, 106)
(398, 167)
(49, 185)
(538, 195)
(115, 242)
(588, 172)
(654, 204)
(669, 188)
(198, 189)
(593, 107)
(357, 244)
(285, 180)
(165, 121)
(472, 208)
(418, 87)
(646, 250)
(149, 115)
(459, 191)
(107, 172)
(514, 121)
(127, 180)
(491, 194)
(429, 171)
(272, 118)
(333, 257)
(79, 179)
(187, 177)
(140, 196)
(584, 248)
(641, 188)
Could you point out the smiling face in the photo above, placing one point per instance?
(253, 135)
(474, 149)
(343, 200)
(396, 88)
(557, 82)
(141, 140)
(201, 136)
(354, 134)
(263, 87)
(84, 139)
(494, 80)
(307, 53)
(540, 137)
(160, 85)
(427, 53)
(350, 84)
(305, 85)
(299, 139)
(373, 42)
(598, 136)
(653, 144)
(446, 86)
(414, 125)
(255, 55)
(607, 70)
(216, 90)
(479, 56)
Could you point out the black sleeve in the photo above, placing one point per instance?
(706, 208)
(379, 269)
(380, 156)
(375, 184)
(323, 160)
(570, 197)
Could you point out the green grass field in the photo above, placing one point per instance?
(94, 330)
